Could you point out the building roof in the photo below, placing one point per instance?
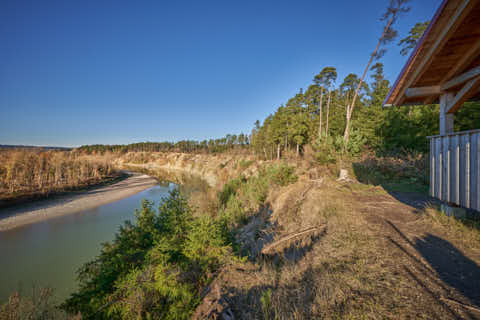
(446, 58)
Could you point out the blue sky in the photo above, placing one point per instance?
(85, 72)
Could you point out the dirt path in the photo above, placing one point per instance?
(36, 211)
(381, 255)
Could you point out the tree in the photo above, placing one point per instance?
(330, 76)
(319, 80)
(414, 35)
(393, 11)
(380, 85)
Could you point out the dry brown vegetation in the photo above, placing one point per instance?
(373, 256)
(30, 173)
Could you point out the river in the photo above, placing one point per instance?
(49, 252)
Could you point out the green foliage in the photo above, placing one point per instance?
(325, 151)
(406, 128)
(414, 35)
(154, 267)
(244, 164)
(229, 142)
(281, 175)
(405, 173)
(229, 189)
(266, 301)
(242, 197)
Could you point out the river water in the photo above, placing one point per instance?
(48, 253)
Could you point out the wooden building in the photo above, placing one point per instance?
(444, 68)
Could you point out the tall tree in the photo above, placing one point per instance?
(414, 35)
(329, 76)
(319, 80)
(380, 85)
(393, 11)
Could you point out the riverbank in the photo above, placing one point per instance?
(24, 214)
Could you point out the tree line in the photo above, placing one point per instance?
(229, 142)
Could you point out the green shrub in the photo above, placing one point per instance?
(154, 267)
(266, 301)
(281, 175)
(229, 189)
(244, 164)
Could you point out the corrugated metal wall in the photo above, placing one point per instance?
(455, 168)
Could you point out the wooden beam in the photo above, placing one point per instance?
(464, 62)
(468, 91)
(446, 120)
(461, 79)
(430, 99)
(422, 91)
(463, 9)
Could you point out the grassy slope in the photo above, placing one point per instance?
(376, 258)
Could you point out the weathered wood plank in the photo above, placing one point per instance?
(453, 168)
(462, 170)
(457, 170)
(445, 167)
(464, 77)
(478, 172)
(422, 91)
(467, 91)
(432, 167)
(467, 170)
(438, 146)
(474, 182)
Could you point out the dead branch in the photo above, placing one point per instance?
(267, 249)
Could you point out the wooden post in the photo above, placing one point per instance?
(446, 119)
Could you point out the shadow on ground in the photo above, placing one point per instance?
(451, 265)
(446, 268)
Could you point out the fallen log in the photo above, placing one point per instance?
(268, 248)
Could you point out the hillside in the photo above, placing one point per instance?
(319, 247)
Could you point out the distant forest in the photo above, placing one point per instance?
(322, 117)
(9, 146)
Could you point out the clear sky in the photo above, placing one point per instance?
(85, 72)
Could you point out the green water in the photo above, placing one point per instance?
(48, 253)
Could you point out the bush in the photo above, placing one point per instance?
(229, 189)
(154, 267)
(281, 175)
(244, 164)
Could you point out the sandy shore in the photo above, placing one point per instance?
(36, 211)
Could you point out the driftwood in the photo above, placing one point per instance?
(268, 248)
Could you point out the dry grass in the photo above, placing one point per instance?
(465, 231)
(27, 173)
(376, 259)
